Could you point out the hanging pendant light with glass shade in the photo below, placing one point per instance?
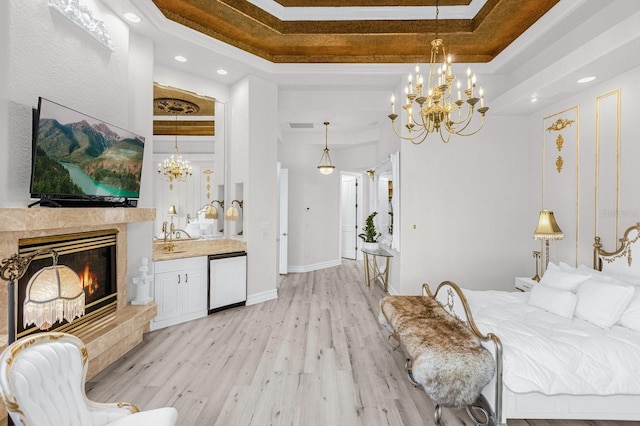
(325, 166)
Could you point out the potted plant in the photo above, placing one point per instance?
(369, 234)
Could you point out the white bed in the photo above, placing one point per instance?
(570, 348)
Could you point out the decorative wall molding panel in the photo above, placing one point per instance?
(82, 16)
(560, 175)
(607, 172)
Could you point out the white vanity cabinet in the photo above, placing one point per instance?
(180, 290)
(227, 280)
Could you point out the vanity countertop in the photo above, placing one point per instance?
(193, 248)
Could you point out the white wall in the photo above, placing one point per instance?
(463, 209)
(253, 163)
(589, 221)
(314, 207)
(467, 198)
(4, 97)
(49, 56)
(314, 199)
(140, 92)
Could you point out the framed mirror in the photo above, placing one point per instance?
(385, 200)
(189, 126)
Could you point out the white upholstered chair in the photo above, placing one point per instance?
(42, 382)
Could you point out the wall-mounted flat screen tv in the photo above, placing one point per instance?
(81, 161)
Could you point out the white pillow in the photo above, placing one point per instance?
(562, 280)
(602, 303)
(561, 303)
(566, 267)
(607, 276)
(552, 266)
(630, 318)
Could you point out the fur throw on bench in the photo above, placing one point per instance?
(447, 359)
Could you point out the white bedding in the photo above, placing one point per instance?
(553, 355)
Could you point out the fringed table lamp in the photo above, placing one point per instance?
(546, 230)
(54, 293)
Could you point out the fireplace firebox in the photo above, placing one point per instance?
(92, 255)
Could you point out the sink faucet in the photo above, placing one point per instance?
(176, 232)
(168, 237)
(171, 235)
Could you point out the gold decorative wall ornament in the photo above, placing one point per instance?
(560, 173)
(436, 110)
(559, 124)
(208, 173)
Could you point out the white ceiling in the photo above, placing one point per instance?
(576, 38)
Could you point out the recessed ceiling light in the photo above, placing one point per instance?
(180, 58)
(534, 99)
(222, 72)
(586, 79)
(132, 17)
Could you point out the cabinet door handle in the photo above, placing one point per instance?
(186, 278)
(178, 278)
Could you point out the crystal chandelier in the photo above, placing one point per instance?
(175, 167)
(326, 167)
(436, 107)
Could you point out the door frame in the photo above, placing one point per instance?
(359, 208)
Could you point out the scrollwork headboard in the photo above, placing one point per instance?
(620, 261)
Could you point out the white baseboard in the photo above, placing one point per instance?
(253, 299)
(315, 267)
(392, 291)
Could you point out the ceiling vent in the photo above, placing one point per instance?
(301, 125)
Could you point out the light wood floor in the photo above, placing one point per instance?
(314, 356)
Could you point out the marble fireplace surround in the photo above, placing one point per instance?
(112, 340)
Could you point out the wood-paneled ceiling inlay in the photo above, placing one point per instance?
(184, 128)
(246, 26)
(369, 3)
(205, 105)
(181, 104)
(175, 106)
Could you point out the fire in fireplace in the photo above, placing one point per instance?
(92, 255)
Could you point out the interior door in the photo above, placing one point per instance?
(283, 237)
(348, 216)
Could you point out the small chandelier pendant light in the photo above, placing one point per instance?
(326, 167)
(438, 107)
(175, 168)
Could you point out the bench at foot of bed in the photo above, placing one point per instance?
(445, 357)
